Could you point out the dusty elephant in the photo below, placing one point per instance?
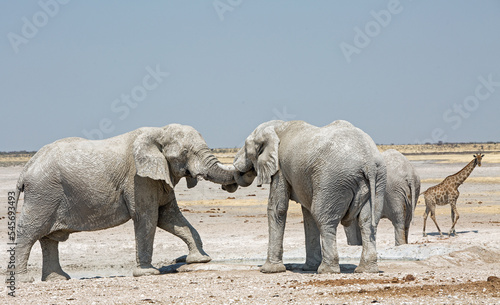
(332, 172)
(76, 185)
(401, 196)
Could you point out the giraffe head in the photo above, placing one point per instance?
(477, 159)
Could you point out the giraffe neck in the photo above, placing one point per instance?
(464, 172)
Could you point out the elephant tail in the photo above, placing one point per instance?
(410, 204)
(12, 204)
(376, 180)
(19, 188)
(417, 196)
(372, 198)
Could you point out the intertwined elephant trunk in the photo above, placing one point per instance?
(224, 174)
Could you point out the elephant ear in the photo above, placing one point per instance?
(267, 161)
(149, 159)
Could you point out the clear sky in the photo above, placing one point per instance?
(403, 71)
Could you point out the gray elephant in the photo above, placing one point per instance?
(400, 200)
(332, 172)
(75, 185)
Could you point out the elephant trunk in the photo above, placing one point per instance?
(217, 172)
(226, 174)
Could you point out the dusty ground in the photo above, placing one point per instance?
(453, 270)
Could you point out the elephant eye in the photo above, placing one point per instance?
(261, 149)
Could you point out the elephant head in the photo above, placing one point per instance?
(260, 153)
(176, 151)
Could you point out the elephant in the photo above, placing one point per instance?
(401, 196)
(332, 171)
(75, 184)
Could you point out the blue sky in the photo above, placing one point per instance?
(403, 71)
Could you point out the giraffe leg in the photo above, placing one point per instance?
(426, 213)
(454, 217)
(433, 216)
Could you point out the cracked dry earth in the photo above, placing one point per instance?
(462, 269)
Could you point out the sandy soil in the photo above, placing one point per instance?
(452, 270)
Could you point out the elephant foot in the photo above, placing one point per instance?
(194, 258)
(55, 276)
(370, 268)
(326, 268)
(272, 268)
(22, 277)
(310, 267)
(400, 242)
(145, 271)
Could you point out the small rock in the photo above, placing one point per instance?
(493, 279)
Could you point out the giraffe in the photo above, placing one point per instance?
(447, 192)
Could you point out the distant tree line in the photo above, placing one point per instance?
(17, 153)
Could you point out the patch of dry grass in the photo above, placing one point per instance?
(462, 209)
(487, 180)
(493, 157)
(444, 148)
(14, 159)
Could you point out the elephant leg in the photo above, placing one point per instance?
(400, 229)
(29, 230)
(313, 242)
(400, 233)
(19, 256)
(171, 220)
(277, 208)
(353, 233)
(454, 216)
(325, 208)
(145, 223)
(368, 262)
(330, 259)
(51, 268)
